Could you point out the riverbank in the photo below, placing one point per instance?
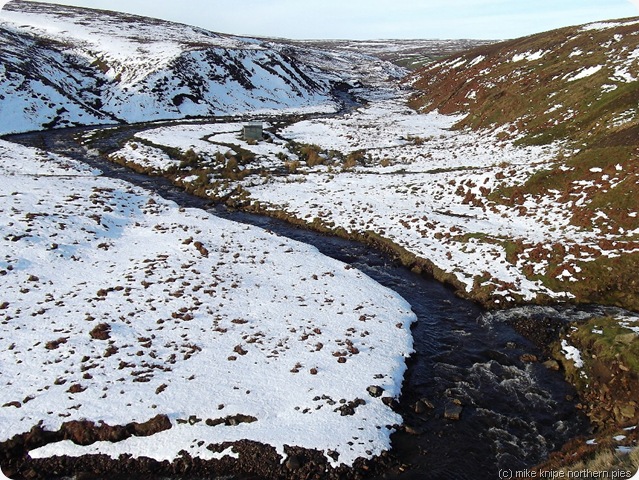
(598, 352)
(437, 197)
(452, 350)
(163, 332)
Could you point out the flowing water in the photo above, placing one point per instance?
(513, 412)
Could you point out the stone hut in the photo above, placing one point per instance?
(252, 131)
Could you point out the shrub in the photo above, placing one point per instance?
(101, 332)
(189, 158)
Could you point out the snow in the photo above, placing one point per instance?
(607, 25)
(411, 188)
(606, 88)
(631, 323)
(571, 353)
(622, 74)
(477, 61)
(146, 156)
(585, 73)
(208, 319)
(529, 56)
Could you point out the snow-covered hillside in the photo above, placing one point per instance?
(63, 66)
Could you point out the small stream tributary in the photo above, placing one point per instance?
(513, 413)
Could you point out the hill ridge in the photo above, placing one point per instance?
(63, 67)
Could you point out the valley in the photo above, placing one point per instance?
(214, 340)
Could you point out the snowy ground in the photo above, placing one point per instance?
(418, 183)
(118, 306)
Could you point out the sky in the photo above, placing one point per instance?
(374, 19)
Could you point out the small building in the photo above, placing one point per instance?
(252, 131)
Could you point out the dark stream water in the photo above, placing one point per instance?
(514, 413)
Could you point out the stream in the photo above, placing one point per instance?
(513, 413)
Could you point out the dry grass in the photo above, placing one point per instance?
(608, 463)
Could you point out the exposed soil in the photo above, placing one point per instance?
(256, 461)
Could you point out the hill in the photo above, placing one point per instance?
(408, 53)
(66, 66)
(575, 87)
(577, 82)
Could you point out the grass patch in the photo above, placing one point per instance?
(608, 379)
(609, 341)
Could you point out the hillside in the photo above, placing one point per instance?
(576, 82)
(65, 66)
(577, 87)
(410, 54)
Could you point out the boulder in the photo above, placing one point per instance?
(453, 411)
(375, 391)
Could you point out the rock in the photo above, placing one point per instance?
(413, 430)
(199, 246)
(422, 406)
(529, 358)
(453, 411)
(293, 462)
(390, 402)
(76, 388)
(375, 391)
(101, 332)
(157, 424)
(346, 411)
(551, 365)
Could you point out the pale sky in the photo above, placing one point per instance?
(374, 19)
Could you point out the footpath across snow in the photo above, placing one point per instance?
(118, 306)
